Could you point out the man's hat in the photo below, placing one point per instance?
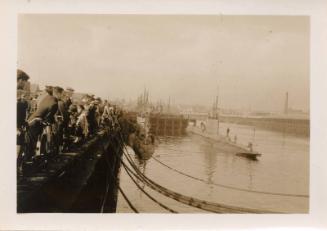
(49, 89)
(58, 89)
(86, 98)
(22, 75)
(69, 89)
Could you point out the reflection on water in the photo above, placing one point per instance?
(210, 160)
(283, 168)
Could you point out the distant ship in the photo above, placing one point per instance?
(209, 128)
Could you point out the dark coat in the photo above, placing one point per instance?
(22, 109)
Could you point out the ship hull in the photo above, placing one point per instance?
(209, 129)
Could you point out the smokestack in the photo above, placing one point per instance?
(286, 104)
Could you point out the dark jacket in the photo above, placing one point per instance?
(22, 108)
(67, 101)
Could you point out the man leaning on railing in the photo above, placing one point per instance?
(44, 113)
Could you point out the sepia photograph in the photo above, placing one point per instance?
(123, 113)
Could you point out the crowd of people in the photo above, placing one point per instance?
(52, 121)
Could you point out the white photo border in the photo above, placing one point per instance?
(316, 219)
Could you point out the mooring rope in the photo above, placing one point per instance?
(155, 188)
(127, 200)
(120, 189)
(111, 173)
(194, 202)
(147, 194)
(227, 186)
(140, 176)
(201, 204)
(106, 193)
(231, 187)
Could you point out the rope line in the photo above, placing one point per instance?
(227, 186)
(127, 200)
(166, 193)
(106, 193)
(147, 194)
(194, 202)
(201, 204)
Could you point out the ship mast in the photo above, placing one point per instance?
(286, 104)
(169, 104)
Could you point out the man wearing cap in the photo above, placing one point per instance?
(22, 79)
(45, 112)
(22, 111)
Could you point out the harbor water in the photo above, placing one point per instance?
(198, 167)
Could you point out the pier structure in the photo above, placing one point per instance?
(168, 124)
(288, 125)
(299, 126)
(84, 180)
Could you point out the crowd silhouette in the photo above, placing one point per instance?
(52, 121)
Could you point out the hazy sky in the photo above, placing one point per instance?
(254, 59)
